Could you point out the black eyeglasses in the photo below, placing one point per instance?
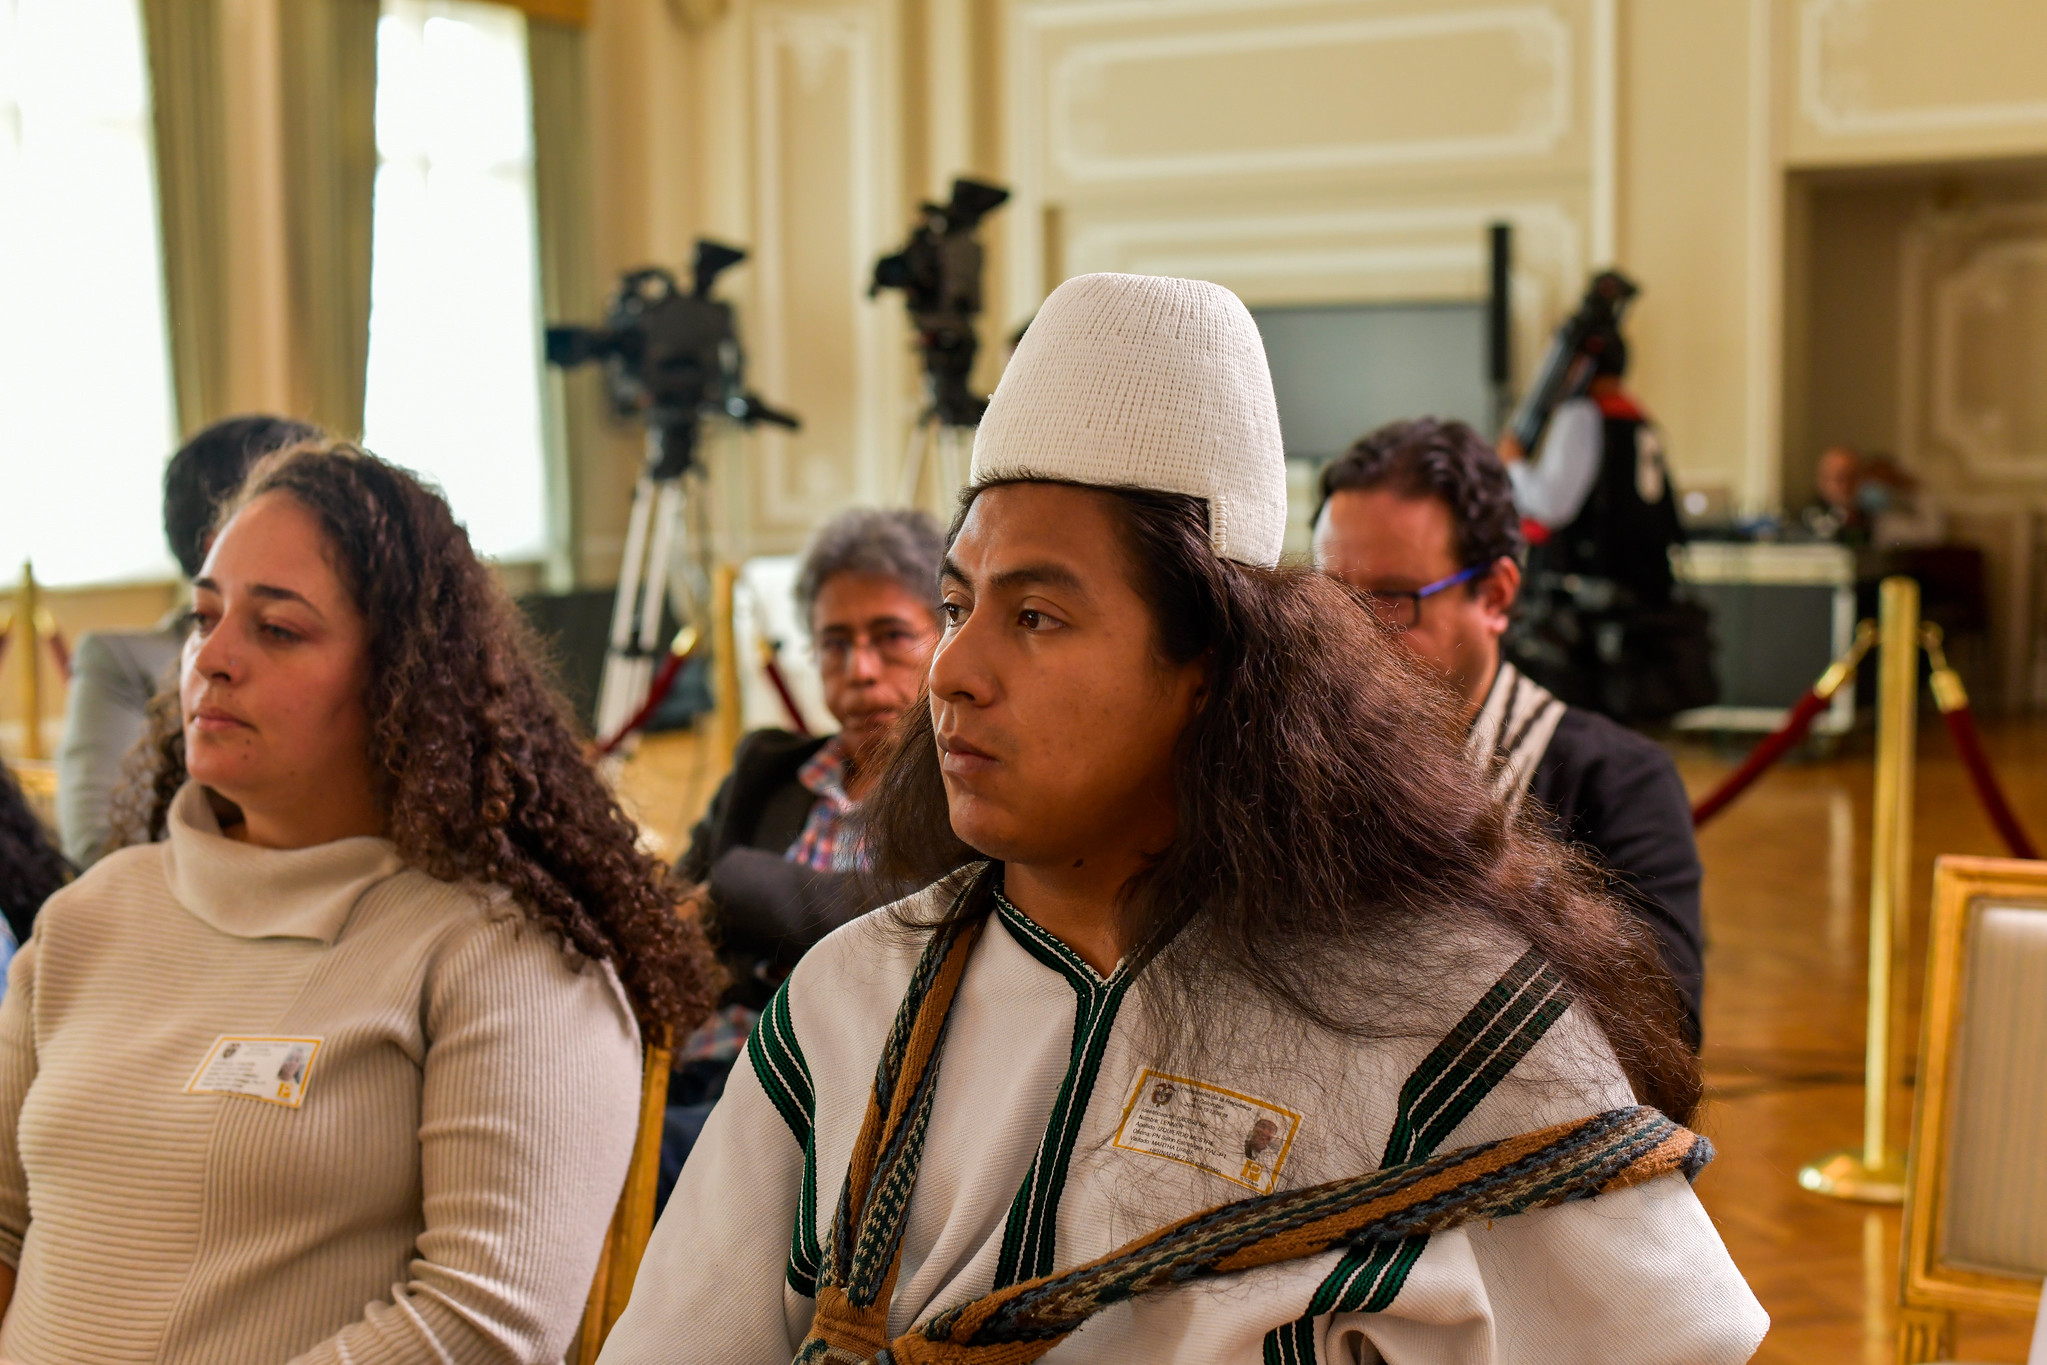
(1403, 610)
(894, 645)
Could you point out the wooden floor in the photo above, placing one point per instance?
(1787, 885)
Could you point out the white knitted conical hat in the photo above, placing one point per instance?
(1138, 381)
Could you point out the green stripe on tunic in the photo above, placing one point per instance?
(1459, 1072)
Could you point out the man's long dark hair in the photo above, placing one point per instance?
(1326, 810)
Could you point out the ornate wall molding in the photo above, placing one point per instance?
(1068, 63)
(1974, 334)
(1834, 88)
(1541, 38)
(2007, 278)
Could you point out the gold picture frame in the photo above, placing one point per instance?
(1932, 1288)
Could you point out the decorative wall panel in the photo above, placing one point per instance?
(1975, 336)
(824, 203)
(1973, 414)
(1312, 151)
(1448, 84)
(1887, 79)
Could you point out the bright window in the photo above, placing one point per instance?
(455, 349)
(85, 388)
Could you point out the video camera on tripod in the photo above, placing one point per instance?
(939, 272)
(1568, 366)
(671, 359)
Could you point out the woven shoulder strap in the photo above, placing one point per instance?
(863, 1251)
(1555, 1165)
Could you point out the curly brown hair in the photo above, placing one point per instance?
(1431, 457)
(1328, 819)
(480, 773)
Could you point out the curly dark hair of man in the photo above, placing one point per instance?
(481, 775)
(1327, 813)
(1429, 457)
(208, 469)
(30, 865)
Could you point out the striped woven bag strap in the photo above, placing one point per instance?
(863, 1251)
(1576, 1160)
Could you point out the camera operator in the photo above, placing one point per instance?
(773, 853)
(1420, 515)
(1600, 625)
(1598, 487)
(115, 673)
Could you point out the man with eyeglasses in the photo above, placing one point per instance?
(1420, 516)
(773, 859)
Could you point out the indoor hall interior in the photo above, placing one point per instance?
(370, 215)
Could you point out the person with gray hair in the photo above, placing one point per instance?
(772, 857)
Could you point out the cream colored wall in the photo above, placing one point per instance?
(1688, 209)
(1297, 150)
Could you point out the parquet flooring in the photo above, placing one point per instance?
(1786, 901)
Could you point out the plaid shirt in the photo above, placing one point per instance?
(823, 844)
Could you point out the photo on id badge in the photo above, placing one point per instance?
(1222, 1131)
(275, 1070)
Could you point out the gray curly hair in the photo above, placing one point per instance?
(900, 543)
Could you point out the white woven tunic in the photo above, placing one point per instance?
(1059, 1134)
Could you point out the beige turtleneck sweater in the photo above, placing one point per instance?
(440, 1193)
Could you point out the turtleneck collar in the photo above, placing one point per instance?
(253, 892)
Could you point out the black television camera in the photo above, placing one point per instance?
(939, 272)
(670, 358)
(1567, 367)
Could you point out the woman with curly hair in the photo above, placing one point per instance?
(340, 1058)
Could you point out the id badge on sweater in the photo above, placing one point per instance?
(271, 1069)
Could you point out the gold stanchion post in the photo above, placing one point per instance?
(25, 610)
(725, 651)
(1876, 1174)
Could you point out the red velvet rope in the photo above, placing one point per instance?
(1772, 748)
(656, 694)
(774, 672)
(1961, 728)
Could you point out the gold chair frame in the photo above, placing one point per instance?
(1931, 1291)
(632, 1222)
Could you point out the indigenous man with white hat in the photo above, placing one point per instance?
(1235, 1019)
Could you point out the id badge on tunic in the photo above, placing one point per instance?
(271, 1069)
(1224, 1132)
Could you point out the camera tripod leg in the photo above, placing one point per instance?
(913, 461)
(615, 690)
(660, 563)
(955, 459)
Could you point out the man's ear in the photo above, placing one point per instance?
(1497, 591)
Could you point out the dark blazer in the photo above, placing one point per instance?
(1619, 795)
(765, 911)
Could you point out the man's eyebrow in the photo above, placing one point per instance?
(1043, 574)
(1040, 575)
